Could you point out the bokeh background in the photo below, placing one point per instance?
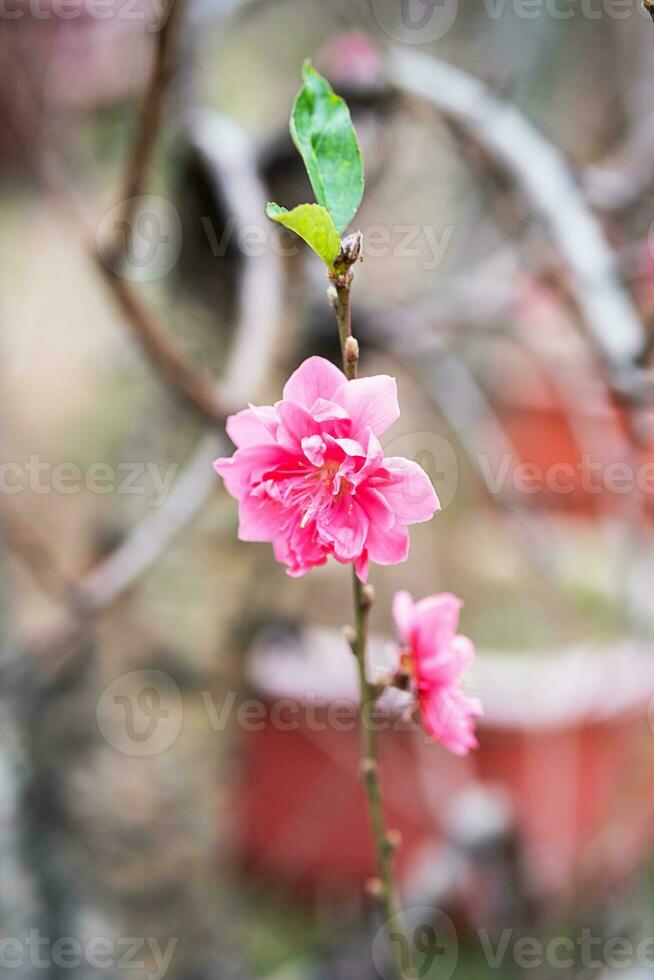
(178, 748)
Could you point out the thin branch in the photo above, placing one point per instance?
(183, 376)
(104, 585)
(232, 164)
(619, 181)
(32, 549)
(195, 387)
(149, 122)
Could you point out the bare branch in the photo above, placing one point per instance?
(32, 549)
(184, 377)
(149, 122)
(231, 159)
(547, 183)
(194, 386)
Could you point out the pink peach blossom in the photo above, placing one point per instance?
(436, 657)
(310, 475)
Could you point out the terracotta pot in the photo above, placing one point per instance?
(565, 736)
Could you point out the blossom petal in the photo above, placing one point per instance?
(326, 411)
(463, 652)
(361, 566)
(371, 403)
(408, 490)
(247, 467)
(300, 550)
(314, 448)
(376, 507)
(316, 378)
(344, 526)
(448, 716)
(260, 519)
(253, 426)
(351, 447)
(435, 625)
(295, 424)
(388, 546)
(403, 615)
(374, 460)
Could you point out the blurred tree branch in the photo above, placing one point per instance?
(186, 379)
(541, 174)
(231, 160)
(149, 120)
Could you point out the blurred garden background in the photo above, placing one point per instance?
(178, 747)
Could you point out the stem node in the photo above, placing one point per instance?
(351, 350)
(375, 888)
(350, 635)
(367, 596)
(368, 769)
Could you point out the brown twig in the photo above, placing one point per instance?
(196, 388)
(149, 121)
(184, 378)
(259, 316)
(232, 163)
(32, 549)
(191, 384)
(99, 590)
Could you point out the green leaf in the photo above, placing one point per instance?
(323, 133)
(314, 224)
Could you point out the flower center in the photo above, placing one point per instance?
(327, 488)
(328, 471)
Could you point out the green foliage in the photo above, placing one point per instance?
(322, 131)
(312, 223)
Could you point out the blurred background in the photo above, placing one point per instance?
(178, 746)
